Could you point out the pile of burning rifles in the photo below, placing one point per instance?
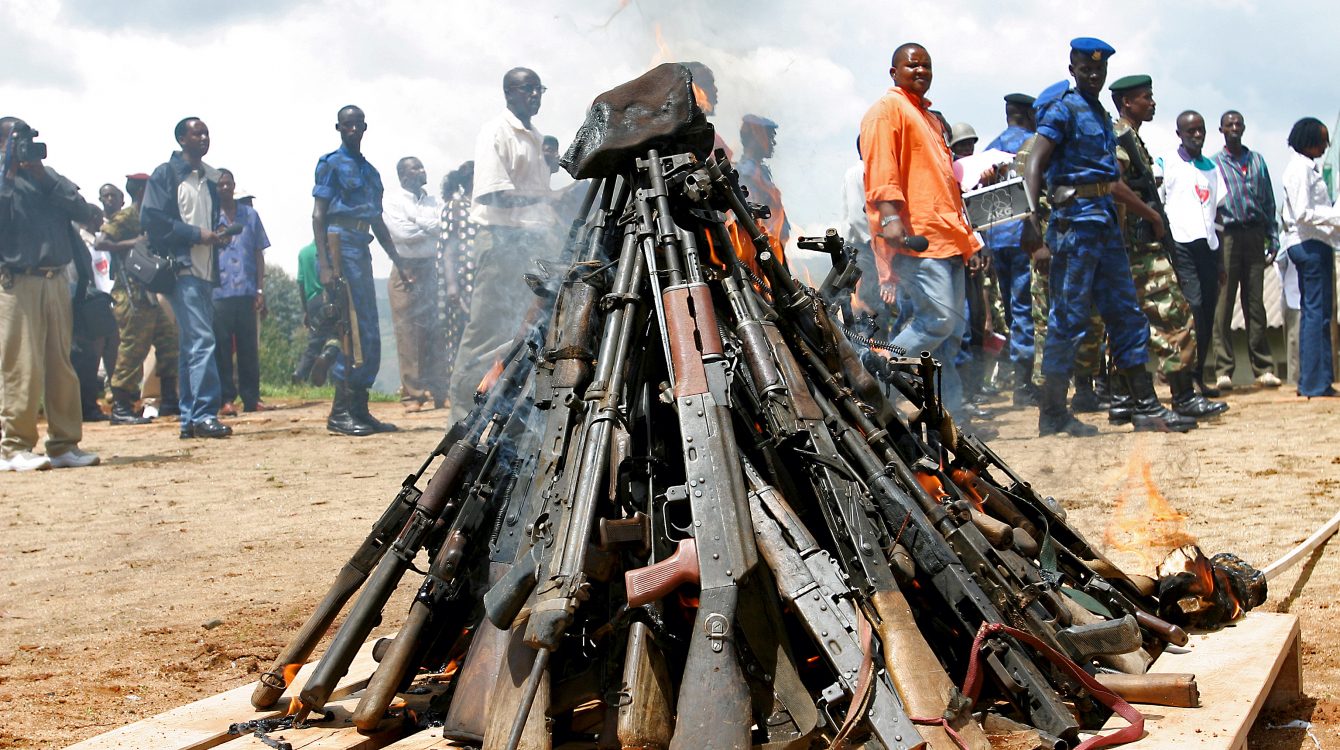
(684, 512)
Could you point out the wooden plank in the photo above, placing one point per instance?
(428, 739)
(204, 724)
(337, 734)
(1303, 550)
(1235, 669)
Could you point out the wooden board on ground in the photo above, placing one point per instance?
(336, 734)
(204, 724)
(1253, 664)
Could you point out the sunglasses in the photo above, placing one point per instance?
(530, 89)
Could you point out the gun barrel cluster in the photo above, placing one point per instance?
(686, 513)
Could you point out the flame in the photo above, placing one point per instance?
(290, 671)
(857, 306)
(1143, 522)
(491, 376)
(663, 55)
(294, 704)
(700, 97)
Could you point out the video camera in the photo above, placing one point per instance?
(23, 147)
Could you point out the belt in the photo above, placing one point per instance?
(1244, 224)
(1091, 190)
(47, 271)
(354, 224)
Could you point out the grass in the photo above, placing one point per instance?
(309, 392)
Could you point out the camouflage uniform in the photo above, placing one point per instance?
(143, 323)
(1172, 339)
(1090, 352)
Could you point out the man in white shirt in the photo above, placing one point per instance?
(1192, 191)
(856, 230)
(511, 208)
(413, 216)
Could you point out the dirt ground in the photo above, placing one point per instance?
(109, 575)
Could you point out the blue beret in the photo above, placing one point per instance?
(756, 120)
(1050, 94)
(1090, 47)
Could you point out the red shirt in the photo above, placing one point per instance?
(907, 161)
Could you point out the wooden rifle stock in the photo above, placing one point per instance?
(1170, 689)
(467, 717)
(646, 709)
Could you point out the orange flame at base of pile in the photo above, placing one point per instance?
(1144, 523)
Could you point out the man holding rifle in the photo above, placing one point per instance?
(1171, 336)
(347, 215)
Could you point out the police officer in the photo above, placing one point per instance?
(1012, 265)
(1076, 150)
(348, 214)
(1172, 337)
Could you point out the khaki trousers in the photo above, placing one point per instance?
(420, 338)
(36, 325)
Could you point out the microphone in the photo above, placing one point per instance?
(916, 243)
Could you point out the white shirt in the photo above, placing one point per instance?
(509, 156)
(1192, 193)
(855, 224)
(1307, 208)
(413, 220)
(197, 209)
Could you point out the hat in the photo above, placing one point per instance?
(1096, 49)
(961, 131)
(1131, 82)
(1022, 99)
(756, 120)
(137, 176)
(241, 194)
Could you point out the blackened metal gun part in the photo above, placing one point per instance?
(831, 621)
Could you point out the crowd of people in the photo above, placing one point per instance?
(1122, 257)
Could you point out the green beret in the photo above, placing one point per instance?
(1131, 82)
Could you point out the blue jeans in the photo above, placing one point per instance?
(1316, 283)
(933, 288)
(1014, 271)
(198, 388)
(357, 262)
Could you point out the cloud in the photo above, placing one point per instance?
(105, 82)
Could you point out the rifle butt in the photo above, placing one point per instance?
(385, 682)
(646, 720)
(1170, 689)
(719, 718)
(508, 693)
(918, 677)
(466, 719)
(273, 683)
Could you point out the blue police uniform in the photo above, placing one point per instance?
(1013, 267)
(1089, 266)
(354, 189)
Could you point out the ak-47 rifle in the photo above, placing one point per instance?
(1143, 183)
(339, 307)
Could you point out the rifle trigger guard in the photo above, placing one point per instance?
(717, 628)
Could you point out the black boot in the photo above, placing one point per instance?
(1054, 417)
(358, 406)
(1148, 414)
(1025, 392)
(1102, 388)
(1120, 405)
(167, 399)
(1187, 402)
(322, 364)
(342, 419)
(123, 408)
(1208, 391)
(1086, 400)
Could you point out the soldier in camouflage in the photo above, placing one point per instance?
(141, 321)
(1172, 337)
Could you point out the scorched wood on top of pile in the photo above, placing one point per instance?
(686, 514)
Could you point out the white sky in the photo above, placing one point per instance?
(106, 81)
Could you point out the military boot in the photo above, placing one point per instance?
(321, 365)
(1086, 400)
(168, 405)
(1187, 402)
(358, 406)
(1148, 415)
(1025, 392)
(342, 419)
(123, 408)
(1120, 405)
(1054, 417)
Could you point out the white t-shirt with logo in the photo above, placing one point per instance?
(1192, 192)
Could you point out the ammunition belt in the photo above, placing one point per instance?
(1091, 190)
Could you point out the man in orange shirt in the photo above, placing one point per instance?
(910, 190)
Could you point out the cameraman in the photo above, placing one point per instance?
(37, 241)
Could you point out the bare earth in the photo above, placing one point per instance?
(107, 575)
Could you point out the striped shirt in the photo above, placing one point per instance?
(1251, 199)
